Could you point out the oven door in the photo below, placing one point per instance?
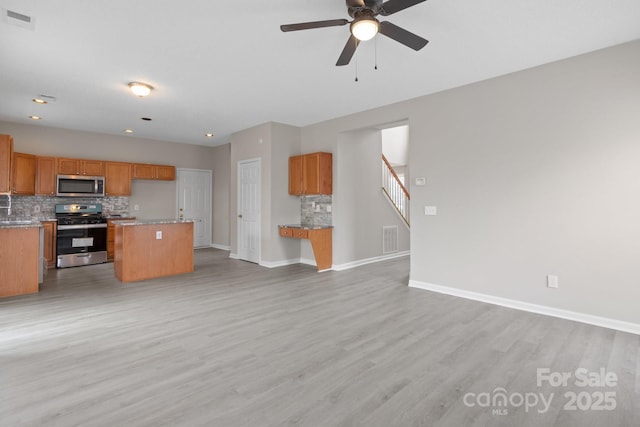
(81, 244)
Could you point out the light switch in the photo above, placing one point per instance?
(420, 181)
(158, 235)
(430, 210)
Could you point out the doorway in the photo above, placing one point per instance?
(194, 202)
(249, 189)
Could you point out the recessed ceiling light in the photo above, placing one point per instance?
(35, 117)
(39, 101)
(208, 135)
(128, 130)
(140, 89)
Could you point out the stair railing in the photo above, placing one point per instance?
(395, 190)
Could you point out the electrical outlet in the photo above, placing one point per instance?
(136, 207)
(36, 208)
(328, 208)
(158, 235)
(552, 281)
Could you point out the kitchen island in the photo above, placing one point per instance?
(19, 257)
(146, 249)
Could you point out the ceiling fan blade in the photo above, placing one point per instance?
(348, 51)
(315, 24)
(392, 6)
(401, 35)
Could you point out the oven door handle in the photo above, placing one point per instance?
(80, 226)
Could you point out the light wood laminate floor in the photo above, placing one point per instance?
(235, 344)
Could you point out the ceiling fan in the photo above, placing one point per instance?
(365, 25)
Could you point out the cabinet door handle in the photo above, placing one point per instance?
(239, 215)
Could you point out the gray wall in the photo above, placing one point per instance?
(221, 183)
(252, 143)
(533, 173)
(273, 143)
(360, 208)
(156, 199)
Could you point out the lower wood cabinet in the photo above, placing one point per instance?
(111, 236)
(50, 234)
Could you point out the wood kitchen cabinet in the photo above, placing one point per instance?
(111, 236)
(154, 172)
(117, 179)
(311, 174)
(50, 230)
(19, 260)
(321, 242)
(23, 174)
(46, 176)
(6, 154)
(66, 166)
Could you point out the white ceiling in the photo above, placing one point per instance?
(224, 66)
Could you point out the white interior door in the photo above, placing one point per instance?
(194, 202)
(249, 210)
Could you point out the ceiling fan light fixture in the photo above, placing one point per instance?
(140, 89)
(365, 28)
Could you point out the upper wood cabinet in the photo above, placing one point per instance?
(311, 174)
(157, 172)
(67, 166)
(23, 176)
(46, 176)
(117, 179)
(6, 153)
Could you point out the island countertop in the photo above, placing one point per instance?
(129, 222)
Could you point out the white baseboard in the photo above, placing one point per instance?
(308, 261)
(233, 256)
(223, 247)
(346, 266)
(274, 264)
(366, 261)
(604, 322)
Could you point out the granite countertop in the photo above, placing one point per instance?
(306, 226)
(129, 222)
(19, 223)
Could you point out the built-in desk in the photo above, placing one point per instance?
(321, 241)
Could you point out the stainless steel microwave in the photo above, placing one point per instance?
(80, 186)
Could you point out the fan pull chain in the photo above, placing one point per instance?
(375, 48)
(356, 42)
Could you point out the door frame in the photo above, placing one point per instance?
(210, 172)
(259, 204)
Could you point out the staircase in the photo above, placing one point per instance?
(395, 191)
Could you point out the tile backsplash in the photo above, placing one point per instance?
(316, 210)
(43, 207)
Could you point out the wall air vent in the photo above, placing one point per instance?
(19, 19)
(389, 239)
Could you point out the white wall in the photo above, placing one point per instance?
(533, 173)
(395, 145)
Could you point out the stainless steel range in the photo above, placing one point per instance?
(82, 235)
